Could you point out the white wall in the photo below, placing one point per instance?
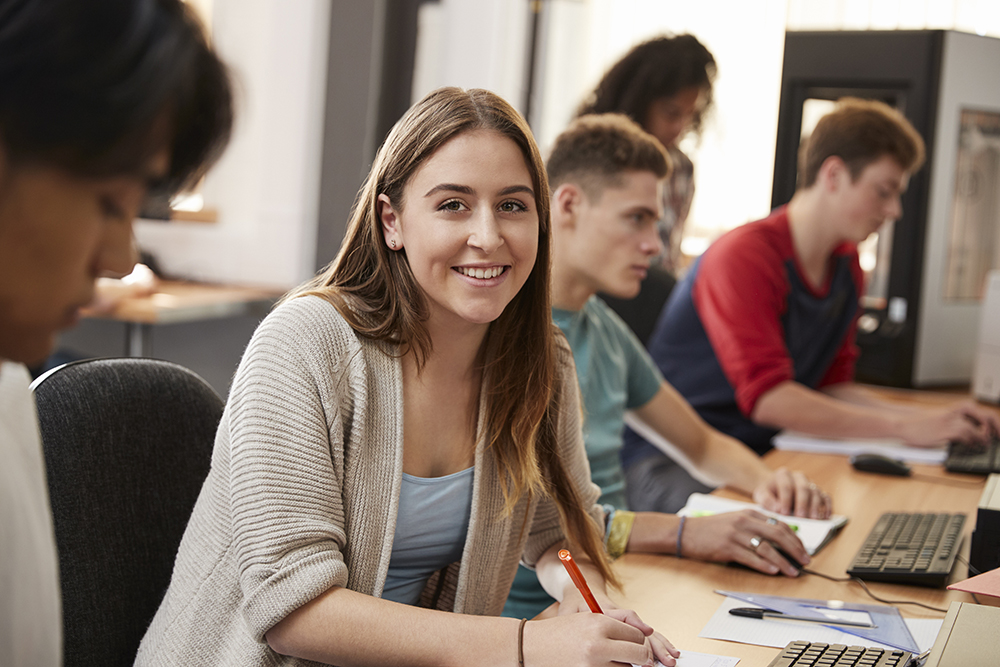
(266, 187)
(976, 16)
(472, 44)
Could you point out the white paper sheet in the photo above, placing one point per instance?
(799, 442)
(770, 632)
(693, 659)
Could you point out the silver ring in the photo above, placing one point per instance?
(772, 521)
(755, 542)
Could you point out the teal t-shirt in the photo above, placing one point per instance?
(615, 374)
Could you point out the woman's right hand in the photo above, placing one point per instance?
(729, 537)
(589, 639)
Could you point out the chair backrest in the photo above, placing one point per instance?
(128, 444)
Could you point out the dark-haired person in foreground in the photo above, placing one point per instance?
(606, 174)
(100, 102)
(759, 336)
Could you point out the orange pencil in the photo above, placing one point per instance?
(581, 583)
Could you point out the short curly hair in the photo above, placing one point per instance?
(595, 151)
(657, 68)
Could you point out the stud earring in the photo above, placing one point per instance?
(392, 244)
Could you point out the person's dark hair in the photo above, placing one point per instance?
(860, 132)
(97, 87)
(658, 68)
(596, 151)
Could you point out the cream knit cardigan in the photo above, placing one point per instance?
(303, 494)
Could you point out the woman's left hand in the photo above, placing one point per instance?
(791, 492)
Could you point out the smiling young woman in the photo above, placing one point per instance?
(468, 222)
(402, 430)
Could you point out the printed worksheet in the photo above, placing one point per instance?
(693, 659)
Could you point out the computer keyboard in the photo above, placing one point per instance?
(974, 459)
(910, 548)
(817, 654)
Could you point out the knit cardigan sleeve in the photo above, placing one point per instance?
(286, 477)
(546, 529)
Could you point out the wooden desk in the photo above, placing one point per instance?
(675, 596)
(175, 301)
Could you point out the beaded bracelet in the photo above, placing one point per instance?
(520, 643)
(680, 531)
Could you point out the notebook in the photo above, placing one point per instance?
(987, 583)
(894, 449)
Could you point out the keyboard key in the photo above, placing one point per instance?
(805, 654)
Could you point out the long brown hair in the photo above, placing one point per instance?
(375, 291)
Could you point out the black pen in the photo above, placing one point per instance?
(756, 612)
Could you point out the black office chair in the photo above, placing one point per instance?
(128, 444)
(642, 312)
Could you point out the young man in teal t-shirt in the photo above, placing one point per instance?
(606, 175)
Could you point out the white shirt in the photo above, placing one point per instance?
(30, 609)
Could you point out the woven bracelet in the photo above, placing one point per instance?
(621, 529)
(680, 532)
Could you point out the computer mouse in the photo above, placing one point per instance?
(784, 554)
(880, 464)
(787, 556)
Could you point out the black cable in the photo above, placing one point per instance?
(870, 594)
(949, 481)
(972, 570)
